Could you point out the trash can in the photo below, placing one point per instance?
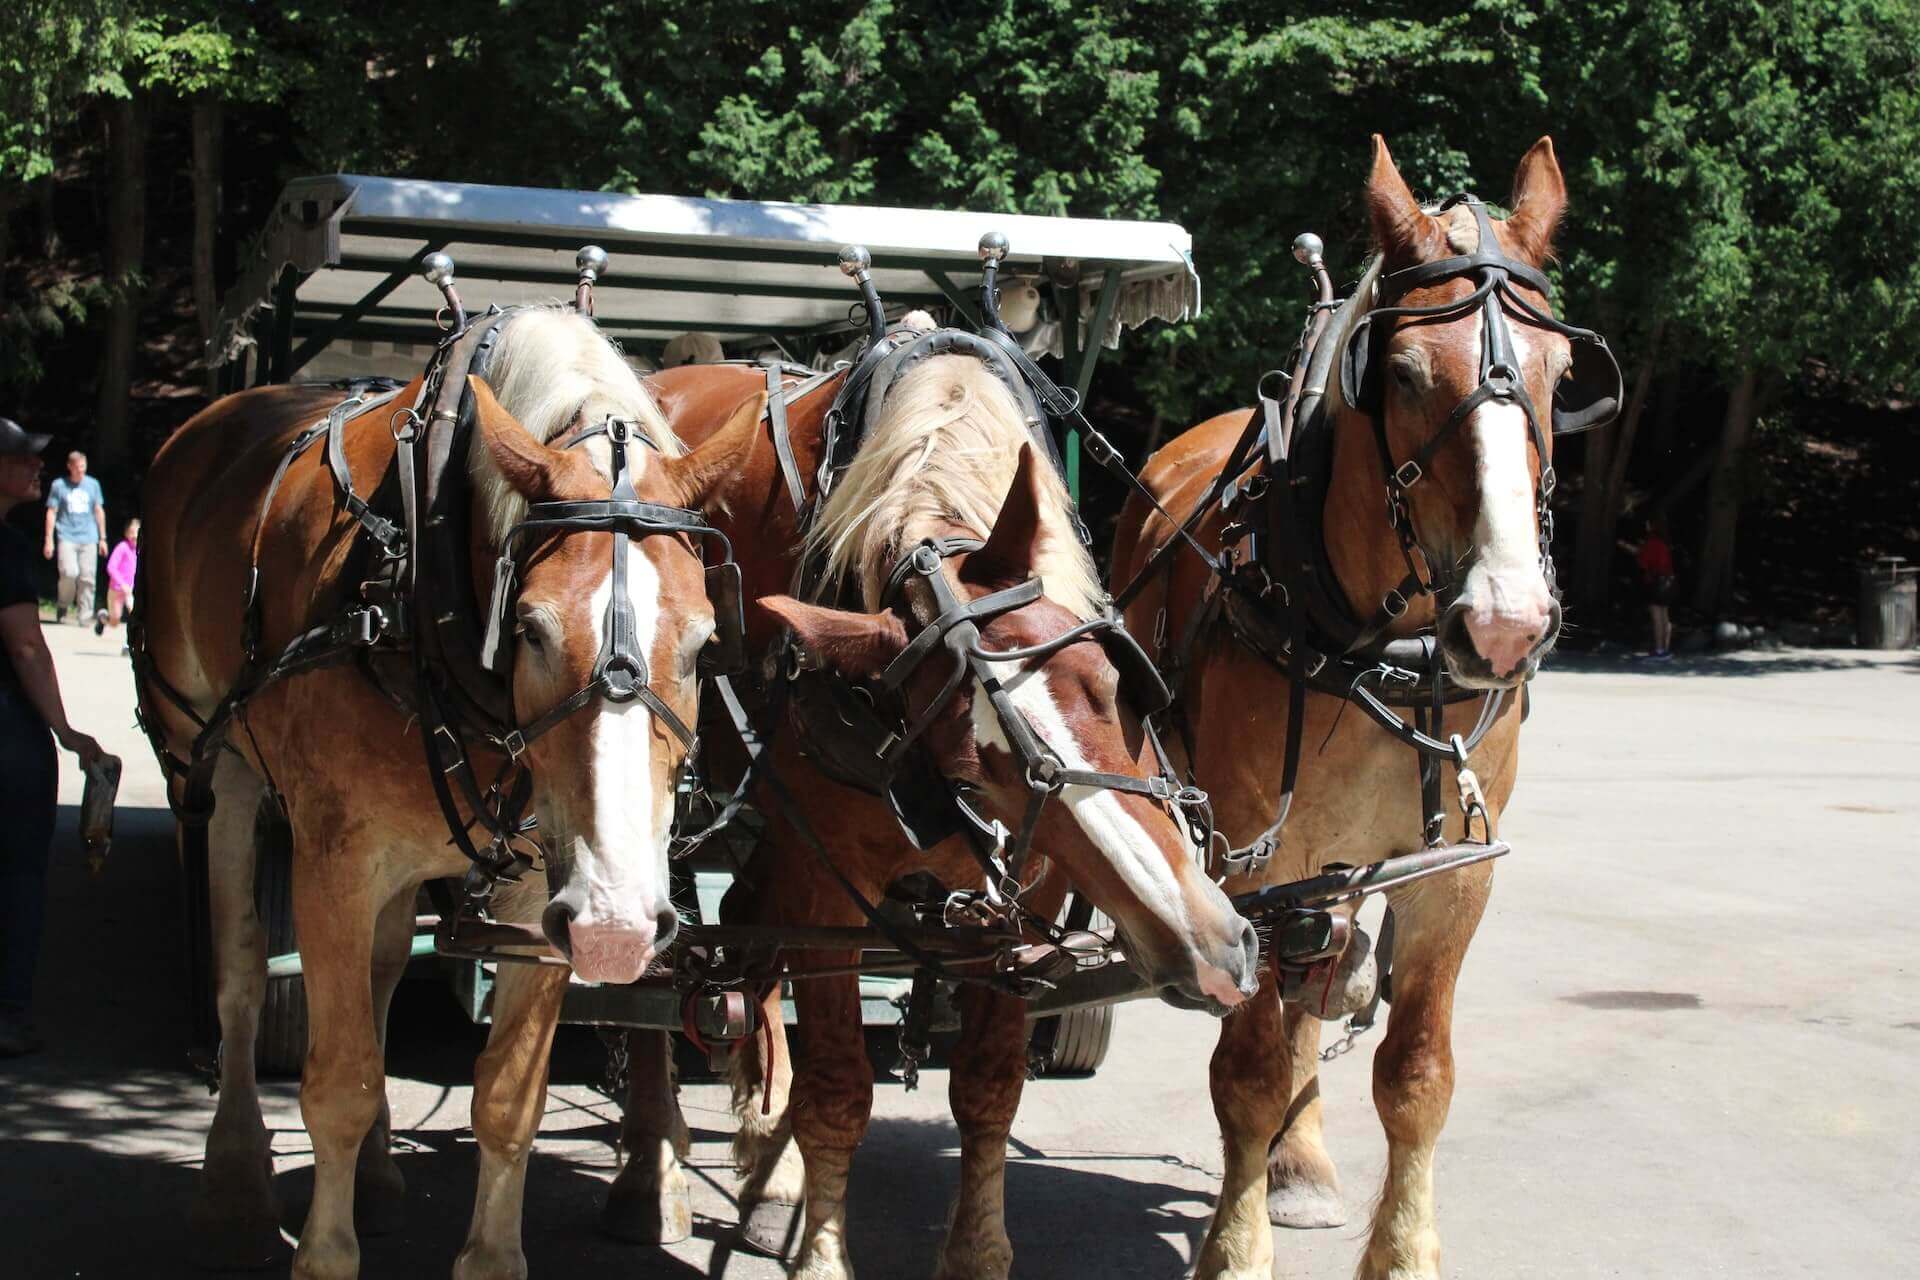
(1887, 604)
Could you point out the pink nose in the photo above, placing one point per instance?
(611, 952)
(1505, 638)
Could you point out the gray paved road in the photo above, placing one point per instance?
(1687, 1037)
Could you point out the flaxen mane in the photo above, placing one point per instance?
(943, 453)
(552, 367)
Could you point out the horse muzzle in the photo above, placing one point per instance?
(1495, 648)
(603, 945)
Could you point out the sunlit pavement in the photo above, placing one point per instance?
(1686, 1037)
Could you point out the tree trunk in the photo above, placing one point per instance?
(1714, 586)
(207, 125)
(126, 244)
(1609, 450)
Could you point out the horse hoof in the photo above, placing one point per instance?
(771, 1227)
(379, 1202)
(643, 1214)
(253, 1244)
(1306, 1207)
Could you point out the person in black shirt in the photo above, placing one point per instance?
(31, 720)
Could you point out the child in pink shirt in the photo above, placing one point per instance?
(120, 569)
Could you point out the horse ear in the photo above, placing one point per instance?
(699, 475)
(1404, 232)
(1539, 201)
(530, 467)
(1014, 545)
(858, 646)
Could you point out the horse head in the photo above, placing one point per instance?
(604, 675)
(1477, 517)
(1128, 851)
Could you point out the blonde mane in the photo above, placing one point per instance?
(944, 453)
(553, 367)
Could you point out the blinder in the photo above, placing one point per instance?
(1590, 393)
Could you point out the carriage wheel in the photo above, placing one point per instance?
(1081, 1036)
(1080, 1043)
(282, 1044)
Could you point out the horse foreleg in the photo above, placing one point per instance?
(379, 1188)
(773, 1179)
(650, 1202)
(988, 1072)
(832, 1103)
(509, 1095)
(234, 1219)
(1249, 1075)
(1413, 1068)
(344, 1083)
(1303, 1187)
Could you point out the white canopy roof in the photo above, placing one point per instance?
(742, 270)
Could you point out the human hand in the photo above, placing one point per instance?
(103, 548)
(82, 745)
(46, 549)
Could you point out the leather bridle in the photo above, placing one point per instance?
(955, 628)
(1495, 296)
(620, 670)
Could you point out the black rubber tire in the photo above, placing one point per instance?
(1080, 1041)
(281, 1048)
(1080, 1044)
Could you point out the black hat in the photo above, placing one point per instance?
(16, 439)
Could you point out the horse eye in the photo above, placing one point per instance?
(531, 638)
(1403, 377)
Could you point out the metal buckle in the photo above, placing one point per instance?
(515, 743)
(926, 560)
(618, 430)
(1394, 603)
(1099, 448)
(1407, 474)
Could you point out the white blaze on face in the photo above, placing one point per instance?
(1505, 592)
(1132, 853)
(630, 825)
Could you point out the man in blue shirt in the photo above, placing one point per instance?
(77, 531)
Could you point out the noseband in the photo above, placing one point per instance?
(620, 671)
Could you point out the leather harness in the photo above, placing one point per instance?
(418, 604)
(1282, 599)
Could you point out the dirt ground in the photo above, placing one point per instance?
(1686, 1037)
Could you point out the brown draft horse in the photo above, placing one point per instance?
(948, 457)
(1356, 802)
(348, 764)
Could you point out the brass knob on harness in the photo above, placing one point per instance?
(1307, 248)
(993, 246)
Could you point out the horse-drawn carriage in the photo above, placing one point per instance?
(527, 570)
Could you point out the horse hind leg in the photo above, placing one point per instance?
(651, 1201)
(379, 1188)
(773, 1185)
(235, 1221)
(1303, 1186)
